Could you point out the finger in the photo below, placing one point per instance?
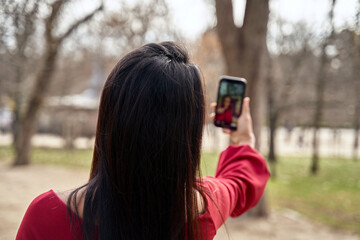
(227, 131)
(212, 116)
(213, 105)
(246, 105)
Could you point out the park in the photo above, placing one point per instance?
(302, 68)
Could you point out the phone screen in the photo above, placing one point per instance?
(229, 101)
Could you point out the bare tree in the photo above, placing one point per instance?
(27, 121)
(33, 59)
(21, 16)
(138, 23)
(244, 50)
(320, 88)
(284, 68)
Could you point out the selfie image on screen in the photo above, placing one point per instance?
(229, 103)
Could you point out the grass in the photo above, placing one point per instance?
(208, 163)
(332, 197)
(69, 158)
(82, 158)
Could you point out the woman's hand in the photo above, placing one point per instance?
(244, 135)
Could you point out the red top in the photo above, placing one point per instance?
(240, 181)
(225, 116)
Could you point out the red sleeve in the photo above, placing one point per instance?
(238, 185)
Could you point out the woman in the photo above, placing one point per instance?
(143, 181)
(224, 111)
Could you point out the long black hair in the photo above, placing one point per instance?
(147, 150)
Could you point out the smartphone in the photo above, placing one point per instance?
(229, 101)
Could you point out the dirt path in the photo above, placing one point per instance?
(18, 186)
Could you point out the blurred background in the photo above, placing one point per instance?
(301, 61)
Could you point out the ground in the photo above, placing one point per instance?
(18, 186)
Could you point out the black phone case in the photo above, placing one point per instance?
(232, 80)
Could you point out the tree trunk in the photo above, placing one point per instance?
(319, 104)
(17, 111)
(315, 155)
(272, 119)
(272, 151)
(320, 88)
(28, 122)
(23, 142)
(18, 99)
(244, 51)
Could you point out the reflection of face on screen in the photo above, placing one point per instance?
(229, 103)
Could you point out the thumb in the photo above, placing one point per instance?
(246, 106)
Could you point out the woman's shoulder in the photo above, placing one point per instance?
(46, 206)
(42, 202)
(46, 217)
(49, 198)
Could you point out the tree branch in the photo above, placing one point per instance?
(79, 22)
(24, 6)
(254, 21)
(49, 23)
(227, 31)
(225, 17)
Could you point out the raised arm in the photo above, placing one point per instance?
(241, 175)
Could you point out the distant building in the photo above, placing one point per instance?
(74, 115)
(5, 119)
